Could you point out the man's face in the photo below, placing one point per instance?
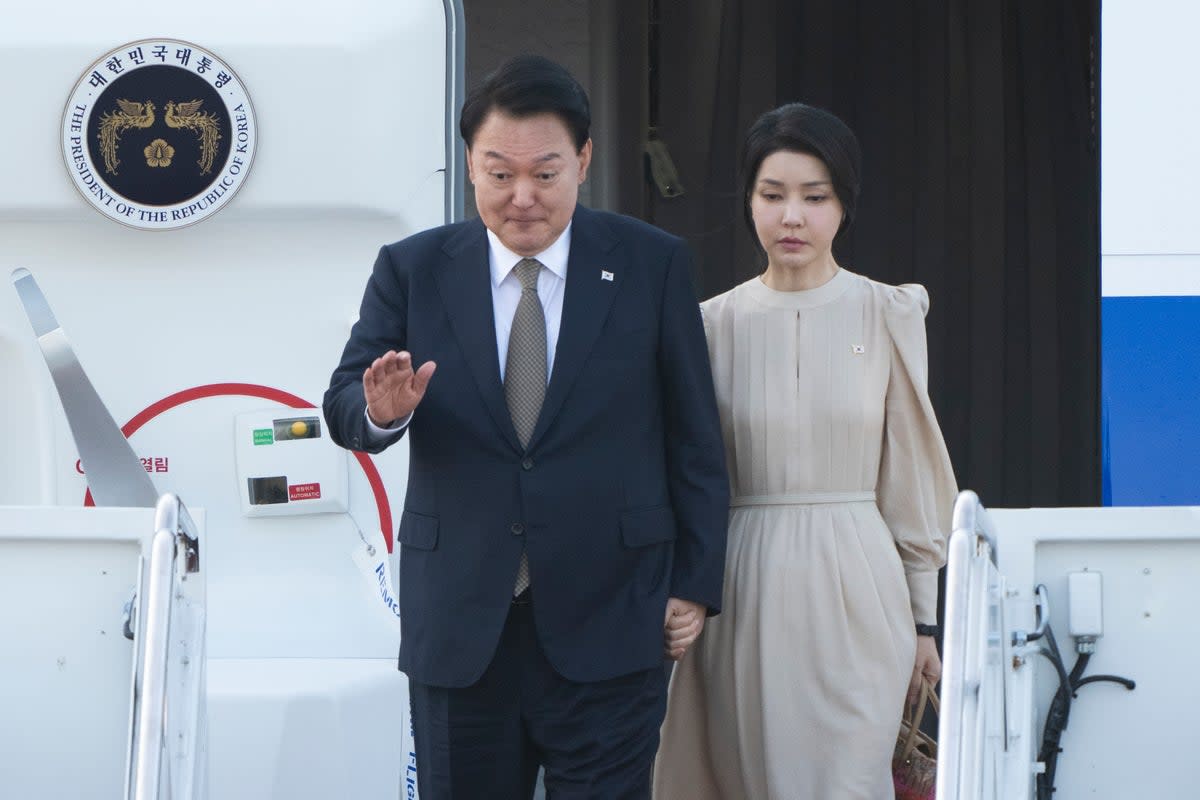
(526, 174)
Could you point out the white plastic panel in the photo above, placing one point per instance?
(340, 728)
(287, 464)
(1148, 558)
(65, 576)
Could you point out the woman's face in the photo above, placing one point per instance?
(796, 213)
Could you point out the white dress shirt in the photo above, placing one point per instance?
(506, 293)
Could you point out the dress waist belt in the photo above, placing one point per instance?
(802, 499)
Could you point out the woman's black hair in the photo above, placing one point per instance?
(800, 128)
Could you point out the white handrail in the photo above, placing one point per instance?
(174, 549)
(973, 536)
(971, 516)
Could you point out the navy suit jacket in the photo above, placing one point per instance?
(621, 497)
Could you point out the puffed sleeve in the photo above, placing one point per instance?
(916, 485)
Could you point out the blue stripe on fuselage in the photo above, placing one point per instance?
(1150, 389)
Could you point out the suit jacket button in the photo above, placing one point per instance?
(517, 529)
(527, 463)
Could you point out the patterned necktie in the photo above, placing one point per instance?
(525, 369)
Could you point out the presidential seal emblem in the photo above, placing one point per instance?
(158, 134)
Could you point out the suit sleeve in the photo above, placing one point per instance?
(697, 475)
(381, 326)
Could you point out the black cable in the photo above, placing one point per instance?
(1039, 592)
(1060, 709)
(1128, 684)
(1050, 651)
(1059, 715)
(1056, 716)
(1081, 663)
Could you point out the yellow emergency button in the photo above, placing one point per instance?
(290, 429)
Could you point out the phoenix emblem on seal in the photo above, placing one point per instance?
(179, 115)
(114, 123)
(205, 125)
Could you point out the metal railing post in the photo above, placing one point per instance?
(149, 738)
(174, 548)
(973, 535)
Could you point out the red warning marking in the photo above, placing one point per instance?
(304, 491)
(266, 393)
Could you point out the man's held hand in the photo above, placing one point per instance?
(683, 624)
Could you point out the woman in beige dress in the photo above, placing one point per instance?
(842, 493)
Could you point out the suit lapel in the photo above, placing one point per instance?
(465, 286)
(587, 298)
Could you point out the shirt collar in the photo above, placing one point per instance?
(554, 258)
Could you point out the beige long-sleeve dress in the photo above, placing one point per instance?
(842, 494)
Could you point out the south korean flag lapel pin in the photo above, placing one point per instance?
(605, 275)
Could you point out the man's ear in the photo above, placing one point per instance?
(585, 159)
(470, 167)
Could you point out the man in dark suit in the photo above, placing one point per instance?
(564, 525)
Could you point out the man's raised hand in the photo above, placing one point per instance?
(392, 388)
